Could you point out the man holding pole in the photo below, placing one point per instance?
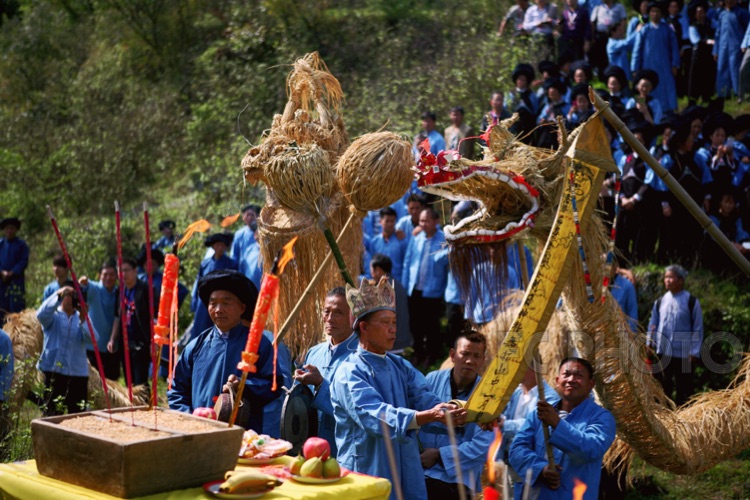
(580, 433)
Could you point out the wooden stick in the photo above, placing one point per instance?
(392, 458)
(674, 186)
(543, 397)
(238, 399)
(456, 458)
(123, 313)
(155, 348)
(310, 287)
(527, 485)
(84, 307)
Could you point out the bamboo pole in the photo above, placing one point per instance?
(674, 186)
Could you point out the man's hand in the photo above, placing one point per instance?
(547, 413)
(83, 281)
(400, 234)
(111, 346)
(232, 381)
(429, 457)
(309, 375)
(437, 414)
(551, 476)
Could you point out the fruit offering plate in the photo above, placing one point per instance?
(212, 489)
(260, 449)
(320, 480)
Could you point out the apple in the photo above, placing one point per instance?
(316, 447)
(205, 413)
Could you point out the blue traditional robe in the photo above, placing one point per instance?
(512, 425)
(327, 358)
(623, 292)
(656, 48)
(369, 389)
(394, 248)
(243, 238)
(472, 442)
(6, 365)
(101, 304)
(202, 320)
(205, 365)
(578, 443)
(14, 256)
(730, 28)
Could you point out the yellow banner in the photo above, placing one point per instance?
(591, 159)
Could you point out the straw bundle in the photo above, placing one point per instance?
(118, 395)
(301, 177)
(375, 170)
(25, 333)
(276, 225)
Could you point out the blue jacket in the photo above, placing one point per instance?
(327, 362)
(579, 443)
(656, 48)
(243, 238)
(674, 329)
(202, 321)
(369, 389)
(393, 248)
(6, 365)
(472, 442)
(207, 362)
(14, 256)
(623, 292)
(511, 425)
(436, 269)
(52, 287)
(102, 304)
(730, 29)
(65, 340)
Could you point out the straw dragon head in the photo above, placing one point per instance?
(514, 186)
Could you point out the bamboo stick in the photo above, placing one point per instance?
(674, 186)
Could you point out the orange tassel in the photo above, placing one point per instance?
(199, 226)
(230, 219)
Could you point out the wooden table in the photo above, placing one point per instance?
(20, 480)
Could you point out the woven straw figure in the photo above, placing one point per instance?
(300, 161)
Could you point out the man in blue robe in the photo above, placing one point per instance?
(378, 396)
(101, 299)
(389, 243)
(440, 465)
(730, 28)
(219, 243)
(245, 236)
(14, 257)
(656, 48)
(209, 361)
(324, 359)
(167, 239)
(581, 432)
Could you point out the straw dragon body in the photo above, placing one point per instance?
(712, 428)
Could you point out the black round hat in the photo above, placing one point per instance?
(523, 69)
(646, 74)
(226, 238)
(10, 221)
(231, 281)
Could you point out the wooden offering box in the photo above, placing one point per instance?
(126, 457)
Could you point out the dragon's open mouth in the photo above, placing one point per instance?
(508, 204)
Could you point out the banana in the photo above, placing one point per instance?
(247, 482)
